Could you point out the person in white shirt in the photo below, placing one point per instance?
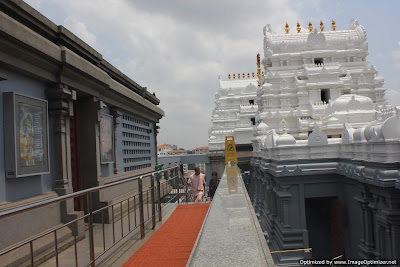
(197, 181)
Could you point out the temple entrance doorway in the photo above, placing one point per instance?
(324, 225)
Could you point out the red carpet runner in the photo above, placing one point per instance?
(172, 244)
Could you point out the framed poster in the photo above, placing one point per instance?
(106, 138)
(25, 135)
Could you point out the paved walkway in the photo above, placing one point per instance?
(173, 242)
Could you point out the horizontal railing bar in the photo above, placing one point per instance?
(41, 235)
(113, 204)
(119, 202)
(291, 250)
(47, 202)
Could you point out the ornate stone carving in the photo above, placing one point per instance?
(316, 39)
(317, 138)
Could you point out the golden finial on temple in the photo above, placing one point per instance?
(258, 67)
(248, 75)
(333, 25)
(234, 76)
(262, 74)
(321, 26)
(238, 75)
(244, 76)
(310, 26)
(229, 76)
(298, 27)
(253, 74)
(287, 28)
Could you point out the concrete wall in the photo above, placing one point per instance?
(13, 189)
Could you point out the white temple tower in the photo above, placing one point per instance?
(318, 77)
(314, 77)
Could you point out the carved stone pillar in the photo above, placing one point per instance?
(269, 197)
(60, 109)
(369, 227)
(389, 254)
(363, 216)
(285, 196)
(395, 234)
(61, 106)
(274, 202)
(116, 113)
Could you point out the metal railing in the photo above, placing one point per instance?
(135, 210)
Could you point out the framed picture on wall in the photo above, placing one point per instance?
(106, 138)
(25, 135)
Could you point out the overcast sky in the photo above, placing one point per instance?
(177, 49)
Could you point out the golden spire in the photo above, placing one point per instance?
(258, 67)
(238, 75)
(248, 75)
(287, 28)
(298, 27)
(234, 76)
(253, 74)
(244, 76)
(309, 26)
(333, 25)
(321, 26)
(229, 76)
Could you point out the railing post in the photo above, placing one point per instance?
(90, 225)
(159, 199)
(153, 203)
(140, 183)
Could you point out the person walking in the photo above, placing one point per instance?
(213, 184)
(197, 181)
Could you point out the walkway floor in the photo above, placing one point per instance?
(172, 244)
(117, 255)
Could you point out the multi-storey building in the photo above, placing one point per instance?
(162, 150)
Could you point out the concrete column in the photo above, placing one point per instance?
(395, 238)
(363, 224)
(61, 100)
(388, 237)
(61, 108)
(285, 207)
(269, 198)
(274, 202)
(117, 121)
(369, 228)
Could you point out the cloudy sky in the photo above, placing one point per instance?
(178, 48)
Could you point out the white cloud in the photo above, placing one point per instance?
(177, 49)
(393, 97)
(79, 29)
(396, 57)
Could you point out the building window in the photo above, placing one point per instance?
(136, 142)
(251, 102)
(318, 60)
(253, 121)
(325, 95)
